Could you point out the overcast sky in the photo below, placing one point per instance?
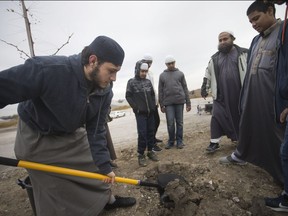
(188, 30)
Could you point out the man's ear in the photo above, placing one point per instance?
(271, 11)
(93, 60)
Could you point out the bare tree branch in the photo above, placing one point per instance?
(25, 14)
(63, 44)
(13, 11)
(21, 51)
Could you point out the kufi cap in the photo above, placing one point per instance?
(147, 57)
(144, 66)
(169, 59)
(229, 32)
(108, 50)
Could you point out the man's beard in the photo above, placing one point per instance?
(225, 48)
(94, 76)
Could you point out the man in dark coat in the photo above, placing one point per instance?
(259, 135)
(224, 77)
(280, 203)
(63, 104)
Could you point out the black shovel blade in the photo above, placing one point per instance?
(165, 178)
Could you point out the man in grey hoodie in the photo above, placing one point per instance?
(173, 94)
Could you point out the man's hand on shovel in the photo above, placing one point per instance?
(111, 179)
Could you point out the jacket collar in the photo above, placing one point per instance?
(271, 28)
(78, 69)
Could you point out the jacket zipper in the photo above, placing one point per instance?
(146, 99)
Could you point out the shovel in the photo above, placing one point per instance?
(163, 179)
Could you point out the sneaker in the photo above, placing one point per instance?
(152, 156)
(279, 204)
(156, 148)
(180, 146)
(168, 146)
(158, 140)
(121, 202)
(229, 160)
(212, 147)
(142, 160)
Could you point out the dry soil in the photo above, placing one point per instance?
(208, 189)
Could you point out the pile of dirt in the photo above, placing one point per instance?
(207, 188)
(202, 192)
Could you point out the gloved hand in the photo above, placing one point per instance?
(204, 93)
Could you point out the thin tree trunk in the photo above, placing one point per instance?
(28, 29)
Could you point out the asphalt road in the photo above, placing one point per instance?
(7, 138)
(123, 131)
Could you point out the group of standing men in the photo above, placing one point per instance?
(141, 96)
(250, 97)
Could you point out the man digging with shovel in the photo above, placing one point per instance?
(63, 103)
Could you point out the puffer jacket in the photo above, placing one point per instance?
(140, 94)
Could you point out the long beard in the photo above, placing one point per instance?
(95, 77)
(225, 48)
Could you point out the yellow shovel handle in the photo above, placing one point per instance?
(72, 172)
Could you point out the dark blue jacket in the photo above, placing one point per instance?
(140, 95)
(53, 96)
(281, 94)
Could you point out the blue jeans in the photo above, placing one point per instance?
(146, 132)
(284, 158)
(175, 112)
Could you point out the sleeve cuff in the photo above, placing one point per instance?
(105, 168)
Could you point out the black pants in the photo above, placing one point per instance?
(145, 129)
(157, 121)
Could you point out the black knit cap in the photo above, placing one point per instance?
(108, 50)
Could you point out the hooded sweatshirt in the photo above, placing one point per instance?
(140, 94)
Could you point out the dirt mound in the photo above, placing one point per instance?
(208, 188)
(195, 194)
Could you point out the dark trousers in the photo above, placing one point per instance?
(146, 132)
(157, 121)
(110, 145)
(284, 159)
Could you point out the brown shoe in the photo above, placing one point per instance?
(152, 156)
(142, 160)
